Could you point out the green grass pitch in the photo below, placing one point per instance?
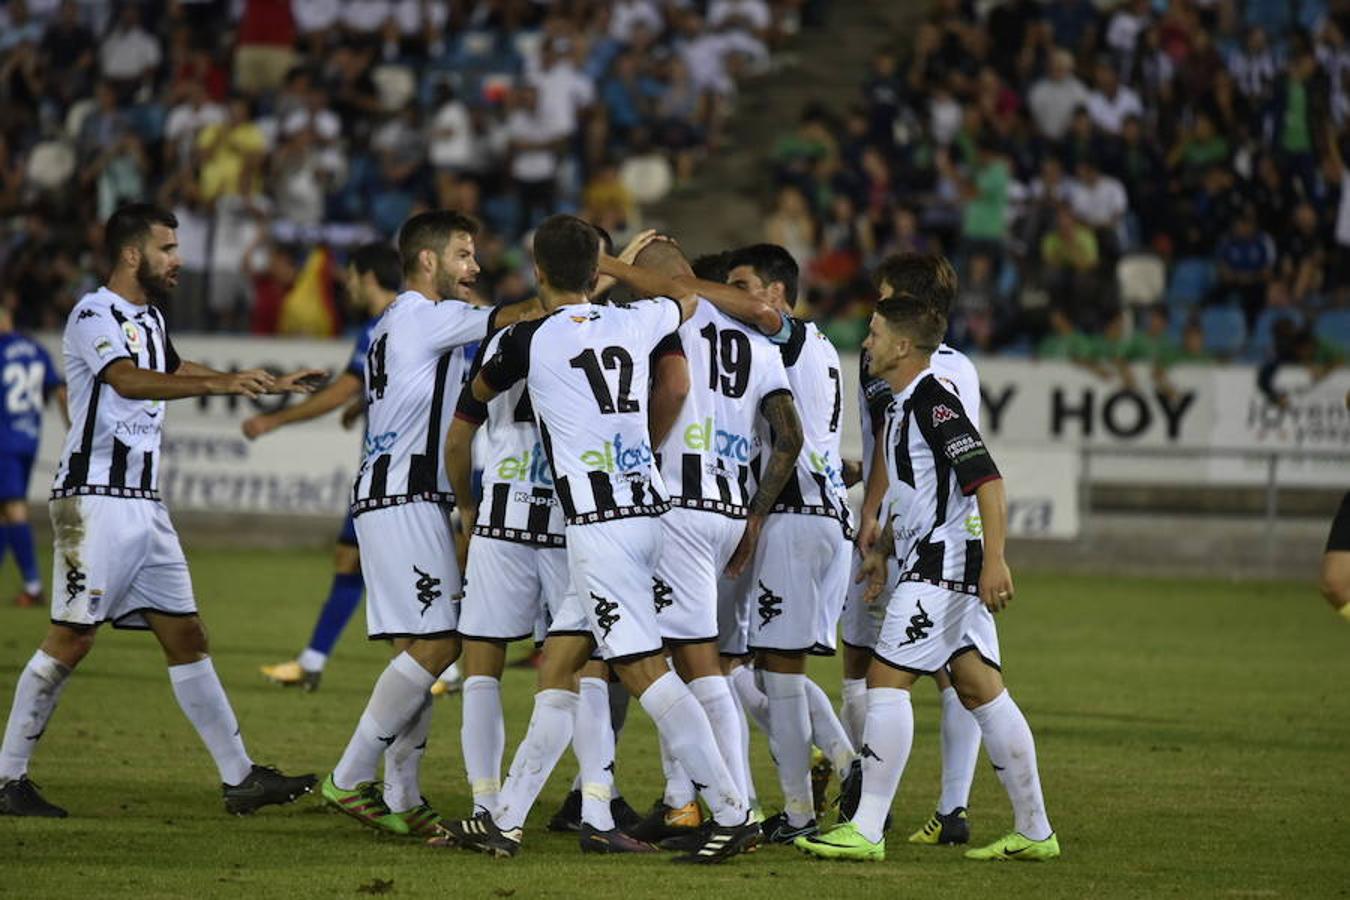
(1194, 740)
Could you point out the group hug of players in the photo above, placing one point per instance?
(662, 489)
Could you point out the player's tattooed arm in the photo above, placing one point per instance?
(781, 414)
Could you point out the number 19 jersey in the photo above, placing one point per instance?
(586, 368)
(413, 371)
(707, 457)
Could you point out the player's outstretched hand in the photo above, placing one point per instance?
(255, 427)
(996, 585)
(637, 245)
(745, 550)
(251, 383)
(301, 381)
(872, 573)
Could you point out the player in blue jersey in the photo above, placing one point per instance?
(373, 278)
(29, 380)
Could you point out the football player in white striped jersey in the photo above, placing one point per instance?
(117, 556)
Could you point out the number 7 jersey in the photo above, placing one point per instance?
(413, 371)
(586, 369)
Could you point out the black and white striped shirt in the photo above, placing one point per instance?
(706, 459)
(519, 502)
(586, 368)
(936, 460)
(414, 369)
(112, 448)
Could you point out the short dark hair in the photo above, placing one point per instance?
(922, 323)
(381, 259)
(431, 231)
(926, 277)
(131, 224)
(772, 263)
(606, 239)
(712, 266)
(567, 251)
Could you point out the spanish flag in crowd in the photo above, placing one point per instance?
(309, 309)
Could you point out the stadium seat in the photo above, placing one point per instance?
(1225, 330)
(1192, 279)
(1263, 335)
(1333, 327)
(1142, 278)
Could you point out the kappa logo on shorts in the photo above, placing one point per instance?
(942, 413)
(661, 594)
(75, 579)
(868, 753)
(428, 589)
(770, 605)
(606, 614)
(919, 623)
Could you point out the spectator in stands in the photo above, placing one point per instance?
(1303, 254)
(1054, 99)
(1069, 257)
(1246, 260)
(534, 159)
(128, 54)
(1100, 202)
(68, 53)
(1254, 67)
(790, 226)
(232, 154)
(984, 224)
(1111, 103)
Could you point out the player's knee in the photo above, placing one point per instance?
(1335, 584)
(68, 645)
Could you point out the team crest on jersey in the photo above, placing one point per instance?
(103, 347)
(942, 413)
(133, 336)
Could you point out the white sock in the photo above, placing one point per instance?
(483, 739)
(403, 761)
(684, 725)
(714, 695)
(549, 734)
(960, 752)
(1007, 737)
(33, 587)
(35, 696)
(679, 789)
(593, 744)
(312, 660)
(451, 674)
(743, 757)
(790, 721)
(827, 732)
(397, 697)
(753, 702)
(853, 712)
(203, 701)
(887, 738)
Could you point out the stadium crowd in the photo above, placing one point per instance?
(272, 127)
(1067, 151)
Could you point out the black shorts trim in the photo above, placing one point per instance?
(120, 623)
(687, 642)
(853, 646)
(570, 632)
(821, 650)
(634, 657)
(431, 636)
(485, 639)
(971, 648)
(1339, 539)
(899, 668)
(758, 648)
(727, 654)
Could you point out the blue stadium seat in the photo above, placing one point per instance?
(1225, 330)
(1192, 279)
(1333, 327)
(1263, 335)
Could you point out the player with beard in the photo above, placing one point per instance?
(117, 556)
(402, 502)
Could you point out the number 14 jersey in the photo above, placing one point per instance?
(587, 371)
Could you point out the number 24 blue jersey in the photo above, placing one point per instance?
(27, 378)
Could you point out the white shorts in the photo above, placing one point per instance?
(612, 565)
(733, 613)
(696, 547)
(860, 622)
(834, 590)
(789, 597)
(114, 559)
(508, 586)
(927, 625)
(412, 576)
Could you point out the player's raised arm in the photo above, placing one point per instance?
(781, 414)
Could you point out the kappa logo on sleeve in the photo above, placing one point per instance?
(942, 413)
(86, 314)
